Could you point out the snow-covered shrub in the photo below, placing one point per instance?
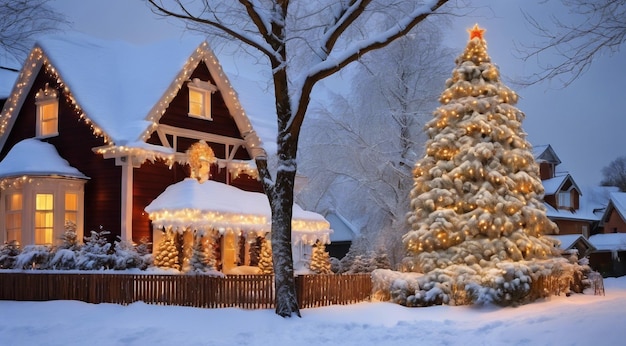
(126, 256)
(386, 282)
(65, 255)
(96, 254)
(33, 257)
(64, 259)
(8, 254)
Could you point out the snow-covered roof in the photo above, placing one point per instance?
(343, 230)
(592, 203)
(214, 205)
(32, 157)
(124, 88)
(617, 201)
(545, 153)
(609, 241)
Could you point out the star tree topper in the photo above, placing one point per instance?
(476, 32)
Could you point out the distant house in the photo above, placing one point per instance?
(585, 221)
(344, 233)
(564, 200)
(117, 120)
(610, 256)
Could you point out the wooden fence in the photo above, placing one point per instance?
(243, 291)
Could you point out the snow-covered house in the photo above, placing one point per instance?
(344, 233)
(610, 255)
(104, 127)
(573, 212)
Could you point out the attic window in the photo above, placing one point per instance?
(200, 98)
(47, 102)
(565, 200)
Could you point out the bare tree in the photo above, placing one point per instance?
(577, 35)
(615, 174)
(305, 42)
(21, 21)
(361, 147)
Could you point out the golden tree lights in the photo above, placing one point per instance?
(477, 190)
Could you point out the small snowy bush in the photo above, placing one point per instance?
(8, 254)
(95, 254)
(33, 257)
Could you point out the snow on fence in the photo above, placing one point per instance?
(243, 291)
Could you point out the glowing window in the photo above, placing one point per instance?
(44, 218)
(13, 217)
(200, 98)
(71, 207)
(47, 103)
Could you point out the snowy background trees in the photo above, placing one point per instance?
(359, 148)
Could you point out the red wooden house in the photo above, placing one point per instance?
(120, 117)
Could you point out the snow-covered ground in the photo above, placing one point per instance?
(576, 320)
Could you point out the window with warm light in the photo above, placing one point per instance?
(44, 218)
(200, 98)
(71, 207)
(47, 102)
(13, 217)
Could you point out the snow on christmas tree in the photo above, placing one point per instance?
(265, 258)
(320, 259)
(477, 195)
(201, 257)
(167, 253)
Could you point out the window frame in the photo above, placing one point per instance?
(29, 187)
(47, 97)
(205, 89)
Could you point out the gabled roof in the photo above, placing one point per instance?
(609, 241)
(591, 205)
(545, 153)
(123, 89)
(343, 230)
(31, 157)
(554, 185)
(617, 202)
(571, 241)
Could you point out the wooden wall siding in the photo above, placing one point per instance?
(74, 143)
(247, 183)
(615, 223)
(573, 227)
(202, 291)
(551, 200)
(545, 170)
(149, 181)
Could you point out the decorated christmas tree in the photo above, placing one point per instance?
(476, 201)
(320, 260)
(265, 259)
(167, 253)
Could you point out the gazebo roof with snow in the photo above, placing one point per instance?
(190, 204)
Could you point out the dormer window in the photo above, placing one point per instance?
(200, 98)
(565, 200)
(47, 102)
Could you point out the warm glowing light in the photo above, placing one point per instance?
(476, 32)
